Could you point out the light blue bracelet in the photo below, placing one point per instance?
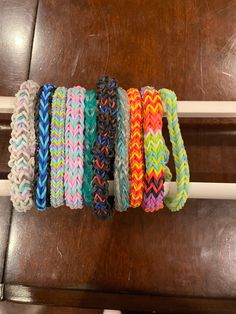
(121, 173)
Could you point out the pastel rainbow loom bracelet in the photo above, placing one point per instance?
(57, 147)
(74, 146)
(104, 146)
(43, 152)
(136, 153)
(121, 171)
(154, 147)
(180, 156)
(90, 133)
(22, 147)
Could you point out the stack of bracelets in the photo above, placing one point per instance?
(66, 143)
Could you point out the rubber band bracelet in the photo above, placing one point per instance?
(121, 171)
(48, 194)
(180, 156)
(104, 146)
(90, 133)
(154, 146)
(36, 125)
(136, 153)
(74, 145)
(42, 194)
(22, 147)
(57, 146)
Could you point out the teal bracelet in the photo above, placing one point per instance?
(179, 153)
(90, 138)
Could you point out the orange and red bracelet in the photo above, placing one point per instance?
(136, 153)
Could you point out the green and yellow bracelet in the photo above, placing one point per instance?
(169, 100)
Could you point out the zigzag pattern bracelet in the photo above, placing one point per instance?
(22, 147)
(74, 145)
(180, 156)
(156, 154)
(57, 146)
(136, 154)
(121, 171)
(43, 156)
(89, 141)
(104, 146)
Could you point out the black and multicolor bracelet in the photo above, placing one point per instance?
(104, 146)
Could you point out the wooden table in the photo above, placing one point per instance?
(171, 263)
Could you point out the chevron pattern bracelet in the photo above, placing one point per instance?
(180, 156)
(22, 147)
(57, 146)
(104, 146)
(136, 154)
(121, 169)
(154, 150)
(74, 145)
(43, 155)
(90, 133)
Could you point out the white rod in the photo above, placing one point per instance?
(6, 104)
(208, 190)
(4, 187)
(204, 190)
(207, 109)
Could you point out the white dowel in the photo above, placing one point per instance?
(6, 104)
(4, 188)
(208, 190)
(207, 109)
(204, 190)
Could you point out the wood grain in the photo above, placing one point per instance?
(16, 33)
(136, 302)
(5, 134)
(190, 253)
(5, 214)
(13, 308)
(175, 44)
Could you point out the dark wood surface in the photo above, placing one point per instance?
(5, 216)
(187, 253)
(5, 134)
(13, 308)
(188, 46)
(180, 44)
(16, 35)
(134, 302)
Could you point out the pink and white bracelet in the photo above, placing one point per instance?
(74, 145)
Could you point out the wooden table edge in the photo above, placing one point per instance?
(121, 301)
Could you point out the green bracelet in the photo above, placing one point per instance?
(180, 156)
(90, 138)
